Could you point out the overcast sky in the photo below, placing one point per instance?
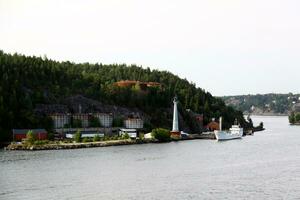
(227, 47)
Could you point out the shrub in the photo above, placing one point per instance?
(50, 136)
(96, 138)
(41, 142)
(125, 136)
(292, 118)
(86, 140)
(77, 136)
(162, 135)
(297, 117)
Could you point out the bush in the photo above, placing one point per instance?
(125, 136)
(50, 136)
(162, 135)
(86, 140)
(41, 142)
(96, 138)
(292, 118)
(77, 136)
(30, 137)
(297, 117)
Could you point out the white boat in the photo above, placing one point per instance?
(234, 132)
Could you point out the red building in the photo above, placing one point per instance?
(19, 134)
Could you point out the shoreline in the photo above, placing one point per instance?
(62, 146)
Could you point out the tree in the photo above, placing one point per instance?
(94, 122)
(162, 135)
(30, 137)
(77, 123)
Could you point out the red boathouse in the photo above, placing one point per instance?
(19, 134)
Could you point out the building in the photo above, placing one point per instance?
(84, 134)
(19, 134)
(60, 120)
(131, 132)
(84, 119)
(134, 123)
(106, 120)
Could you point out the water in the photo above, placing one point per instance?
(263, 166)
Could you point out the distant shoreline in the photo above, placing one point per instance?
(267, 115)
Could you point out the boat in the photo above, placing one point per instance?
(234, 132)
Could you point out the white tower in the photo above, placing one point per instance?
(175, 116)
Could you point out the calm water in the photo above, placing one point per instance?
(264, 166)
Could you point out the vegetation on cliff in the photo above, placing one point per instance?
(27, 81)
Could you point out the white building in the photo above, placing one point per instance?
(134, 123)
(84, 134)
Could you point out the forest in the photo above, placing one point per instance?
(26, 81)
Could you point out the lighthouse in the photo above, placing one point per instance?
(175, 133)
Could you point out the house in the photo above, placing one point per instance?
(131, 132)
(134, 123)
(19, 134)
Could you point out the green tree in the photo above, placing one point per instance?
(30, 137)
(77, 123)
(94, 122)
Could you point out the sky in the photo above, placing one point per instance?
(227, 47)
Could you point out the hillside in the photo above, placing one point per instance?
(27, 83)
(266, 104)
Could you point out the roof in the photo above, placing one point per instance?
(128, 130)
(24, 131)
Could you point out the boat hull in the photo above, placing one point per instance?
(223, 135)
